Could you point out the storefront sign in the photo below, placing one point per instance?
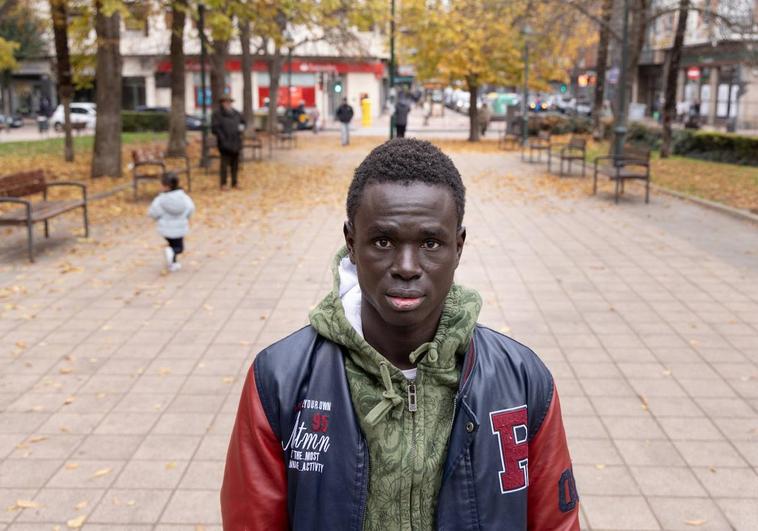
(693, 73)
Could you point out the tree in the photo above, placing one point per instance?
(20, 38)
(106, 159)
(601, 63)
(177, 125)
(59, 11)
(247, 67)
(672, 69)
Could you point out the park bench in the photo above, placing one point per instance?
(252, 147)
(285, 136)
(540, 144)
(17, 185)
(511, 136)
(149, 164)
(632, 164)
(573, 150)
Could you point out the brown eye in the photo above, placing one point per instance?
(431, 245)
(383, 243)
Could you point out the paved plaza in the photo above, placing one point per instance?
(119, 383)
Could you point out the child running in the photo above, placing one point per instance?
(172, 210)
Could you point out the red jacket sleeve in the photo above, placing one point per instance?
(254, 491)
(553, 502)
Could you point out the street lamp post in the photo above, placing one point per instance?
(620, 128)
(526, 32)
(392, 67)
(203, 89)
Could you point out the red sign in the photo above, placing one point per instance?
(693, 73)
(337, 67)
(306, 95)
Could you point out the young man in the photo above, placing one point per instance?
(345, 116)
(227, 124)
(395, 410)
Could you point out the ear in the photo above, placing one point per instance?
(460, 239)
(349, 232)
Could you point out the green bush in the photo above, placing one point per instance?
(559, 124)
(133, 122)
(718, 147)
(649, 136)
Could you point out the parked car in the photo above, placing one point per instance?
(81, 112)
(584, 108)
(194, 123)
(11, 122)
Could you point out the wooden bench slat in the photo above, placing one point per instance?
(41, 211)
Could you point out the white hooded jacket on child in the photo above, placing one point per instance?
(172, 210)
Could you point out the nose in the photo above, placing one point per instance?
(406, 264)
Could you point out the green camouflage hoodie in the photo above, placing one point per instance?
(407, 449)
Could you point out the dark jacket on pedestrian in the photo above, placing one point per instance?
(227, 126)
(344, 113)
(401, 113)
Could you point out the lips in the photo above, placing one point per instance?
(404, 300)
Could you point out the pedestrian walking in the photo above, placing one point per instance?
(395, 409)
(227, 124)
(172, 209)
(484, 118)
(401, 117)
(345, 115)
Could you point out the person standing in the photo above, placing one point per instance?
(401, 117)
(227, 125)
(345, 115)
(485, 116)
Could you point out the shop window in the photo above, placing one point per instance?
(163, 80)
(132, 93)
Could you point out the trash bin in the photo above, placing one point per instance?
(43, 124)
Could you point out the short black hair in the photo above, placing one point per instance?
(406, 160)
(171, 180)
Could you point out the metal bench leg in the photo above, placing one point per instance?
(30, 238)
(134, 187)
(617, 191)
(47, 229)
(584, 163)
(86, 220)
(594, 182)
(647, 190)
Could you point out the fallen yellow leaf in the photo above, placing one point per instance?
(101, 472)
(76, 523)
(71, 466)
(81, 505)
(27, 504)
(694, 523)
(170, 466)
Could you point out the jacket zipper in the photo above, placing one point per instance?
(412, 408)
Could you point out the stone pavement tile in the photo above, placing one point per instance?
(57, 446)
(739, 429)
(108, 384)
(749, 451)
(8, 442)
(619, 513)
(183, 424)
(135, 402)
(149, 383)
(16, 422)
(612, 480)
(615, 387)
(742, 514)
(729, 482)
(152, 474)
(222, 425)
(635, 428)
(615, 406)
(130, 506)
(658, 387)
(127, 423)
(746, 388)
(570, 405)
(27, 473)
(667, 406)
(588, 371)
(193, 507)
(168, 447)
(667, 481)
(203, 475)
(727, 354)
(726, 407)
(86, 473)
(208, 385)
(61, 505)
(170, 367)
(594, 452)
(8, 499)
(690, 429)
(213, 447)
(643, 370)
(707, 388)
(98, 447)
(692, 370)
(586, 427)
(649, 453)
(678, 514)
(71, 423)
(631, 355)
(710, 454)
(187, 403)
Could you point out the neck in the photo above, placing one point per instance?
(393, 342)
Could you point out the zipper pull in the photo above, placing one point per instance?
(412, 406)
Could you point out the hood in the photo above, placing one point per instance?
(174, 202)
(337, 318)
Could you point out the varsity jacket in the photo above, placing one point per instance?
(298, 460)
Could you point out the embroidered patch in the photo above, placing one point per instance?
(309, 440)
(567, 495)
(510, 427)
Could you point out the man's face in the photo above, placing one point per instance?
(226, 104)
(406, 245)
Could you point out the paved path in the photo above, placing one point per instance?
(118, 384)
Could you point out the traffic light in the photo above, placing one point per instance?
(338, 87)
(564, 88)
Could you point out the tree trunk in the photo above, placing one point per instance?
(473, 110)
(675, 56)
(218, 70)
(600, 65)
(58, 9)
(638, 28)
(177, 123)
(247, 74)
(106, 159)
(274, 71)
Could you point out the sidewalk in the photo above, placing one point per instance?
(119, 384)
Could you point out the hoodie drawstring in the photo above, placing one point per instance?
(390, 398)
